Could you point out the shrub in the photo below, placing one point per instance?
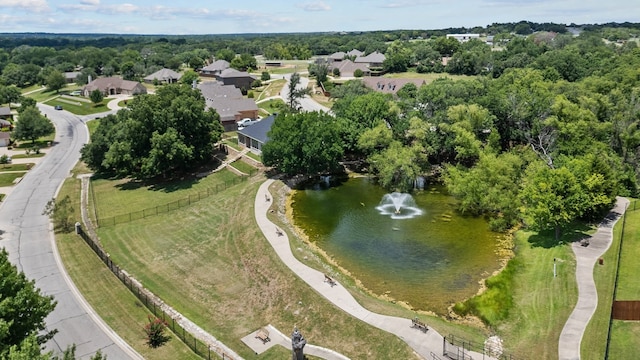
(155, 332)
(250, 94)
(358, 73)
(256, 83)
(265, 76)
(336, 72)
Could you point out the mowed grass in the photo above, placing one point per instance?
(628, 279)
(594, 340)
(80, 107)
(625, 335)
(211, 263)
(7, 179)
(427, 77)
(271, 106)
(121, 196)
(111, 299)
(542, 303)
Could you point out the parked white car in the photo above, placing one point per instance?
(246, 122)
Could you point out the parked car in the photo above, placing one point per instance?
(246, 122)
(58, 107)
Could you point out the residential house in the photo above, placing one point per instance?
(114, 86)
(347, 68)
(464, 37)
(255, 136)
(388, 85)
(373, 60)
(240, 79)
(5, 138)
(166, 76)
(70, 76)
(355, 52)
(336, 57)
(5, 113)
(215, 68)
(229, 103)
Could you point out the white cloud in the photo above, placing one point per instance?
(90, 2)
(30, 5)
(315, 6)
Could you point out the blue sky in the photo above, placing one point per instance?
(260, 16)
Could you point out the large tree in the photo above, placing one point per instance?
(305, 143)
(55, 80)
(31, 125)
(295, 92)
(22, 307)
(160, 134)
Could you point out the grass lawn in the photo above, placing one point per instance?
(243, 166)
(6, 179)
(79, 107)
(428, 77)
(541, 303)
(31, 88)
(92, 125)
(29, 155)
(112, 300)
(42, 142)
(115, 197)
(42, 95)
(604, 277)
(221, 273)
(625, 340)
(232, 142)
(628, 280)
(16, 167)
(254, 156)
(271, 106)
(272, 89)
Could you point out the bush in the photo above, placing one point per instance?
(265, 76)
(250, 94)
(155, 332)
(358, 73)
(336, 72)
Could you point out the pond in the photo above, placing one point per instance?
(427, 254)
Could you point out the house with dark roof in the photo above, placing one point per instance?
(114, 86)
(166, 76)
(389, 85)
(255, 136)
(239, 79)
(214, 68)
(229, 103)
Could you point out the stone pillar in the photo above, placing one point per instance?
(297, 344)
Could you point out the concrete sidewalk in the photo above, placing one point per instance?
(423, 343)
(586, 256)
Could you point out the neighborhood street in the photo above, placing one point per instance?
(26, 234)
(306, 103)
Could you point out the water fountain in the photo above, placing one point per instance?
(398, 206)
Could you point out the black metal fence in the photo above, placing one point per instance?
(460, 349)
(154, 304)
(174, 205)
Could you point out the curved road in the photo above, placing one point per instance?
(27, 236)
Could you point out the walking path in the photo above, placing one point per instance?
(586, 256)
(423, 343)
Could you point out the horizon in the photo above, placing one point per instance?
(200, 17)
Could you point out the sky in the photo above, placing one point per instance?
(277, 16)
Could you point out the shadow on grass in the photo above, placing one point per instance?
(574, 232)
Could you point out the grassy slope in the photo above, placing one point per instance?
(220, 272)
(542, 303)
(107, 295)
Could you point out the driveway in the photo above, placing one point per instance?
(27, 236)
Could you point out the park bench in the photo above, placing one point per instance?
(329, 280)
(415, 323)
(263, 335)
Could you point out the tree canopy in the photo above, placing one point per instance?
(159, 134)
(32, 124)
(23, 308)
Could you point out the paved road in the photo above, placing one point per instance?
(423, 343)
(586, 256)
(306, 103)
(27, 237)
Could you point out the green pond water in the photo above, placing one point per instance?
(427, 255)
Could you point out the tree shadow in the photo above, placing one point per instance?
(575, 231)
